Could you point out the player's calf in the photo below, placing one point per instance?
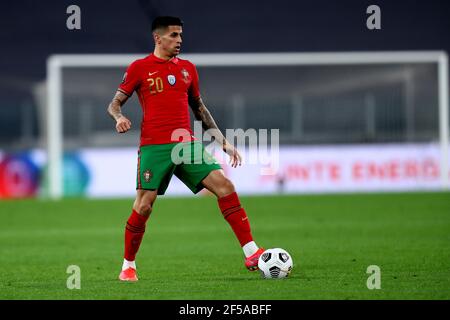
(236, 216)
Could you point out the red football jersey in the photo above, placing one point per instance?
(163, 88)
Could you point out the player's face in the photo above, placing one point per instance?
(170, 40)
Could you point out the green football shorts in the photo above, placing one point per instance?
(189, 161)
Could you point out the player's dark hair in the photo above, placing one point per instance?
(165, 21)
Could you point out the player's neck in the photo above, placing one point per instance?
(159, 54)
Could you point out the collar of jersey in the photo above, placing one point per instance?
(159, 60)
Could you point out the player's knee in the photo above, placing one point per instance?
(144, 209)
(226, 188)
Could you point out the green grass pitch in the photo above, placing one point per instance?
(189, 251)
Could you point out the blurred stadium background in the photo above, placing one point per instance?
(344, 128)
(385, 109)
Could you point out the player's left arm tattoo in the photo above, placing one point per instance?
(202, 114)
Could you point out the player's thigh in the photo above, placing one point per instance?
(155, 167)
(218, 183)
(196, 167)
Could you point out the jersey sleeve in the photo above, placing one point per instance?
(130, 80)
(194, 89)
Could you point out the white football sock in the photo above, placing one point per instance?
(250, 249)
(128, 264)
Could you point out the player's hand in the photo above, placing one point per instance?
(123, 124)
(235, 157)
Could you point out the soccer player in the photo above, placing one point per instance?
(166, 86)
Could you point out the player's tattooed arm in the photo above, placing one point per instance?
(202, 114)
(115, 111)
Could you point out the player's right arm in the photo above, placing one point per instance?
(115, 111)
(130, 82)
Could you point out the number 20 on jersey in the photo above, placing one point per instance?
(155, 85)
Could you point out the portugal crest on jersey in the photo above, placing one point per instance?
(171, 79)
(185, 75)
(147, 175)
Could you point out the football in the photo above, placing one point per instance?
(275, 263)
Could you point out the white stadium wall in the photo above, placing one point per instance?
(316, 169)
(304, 169)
